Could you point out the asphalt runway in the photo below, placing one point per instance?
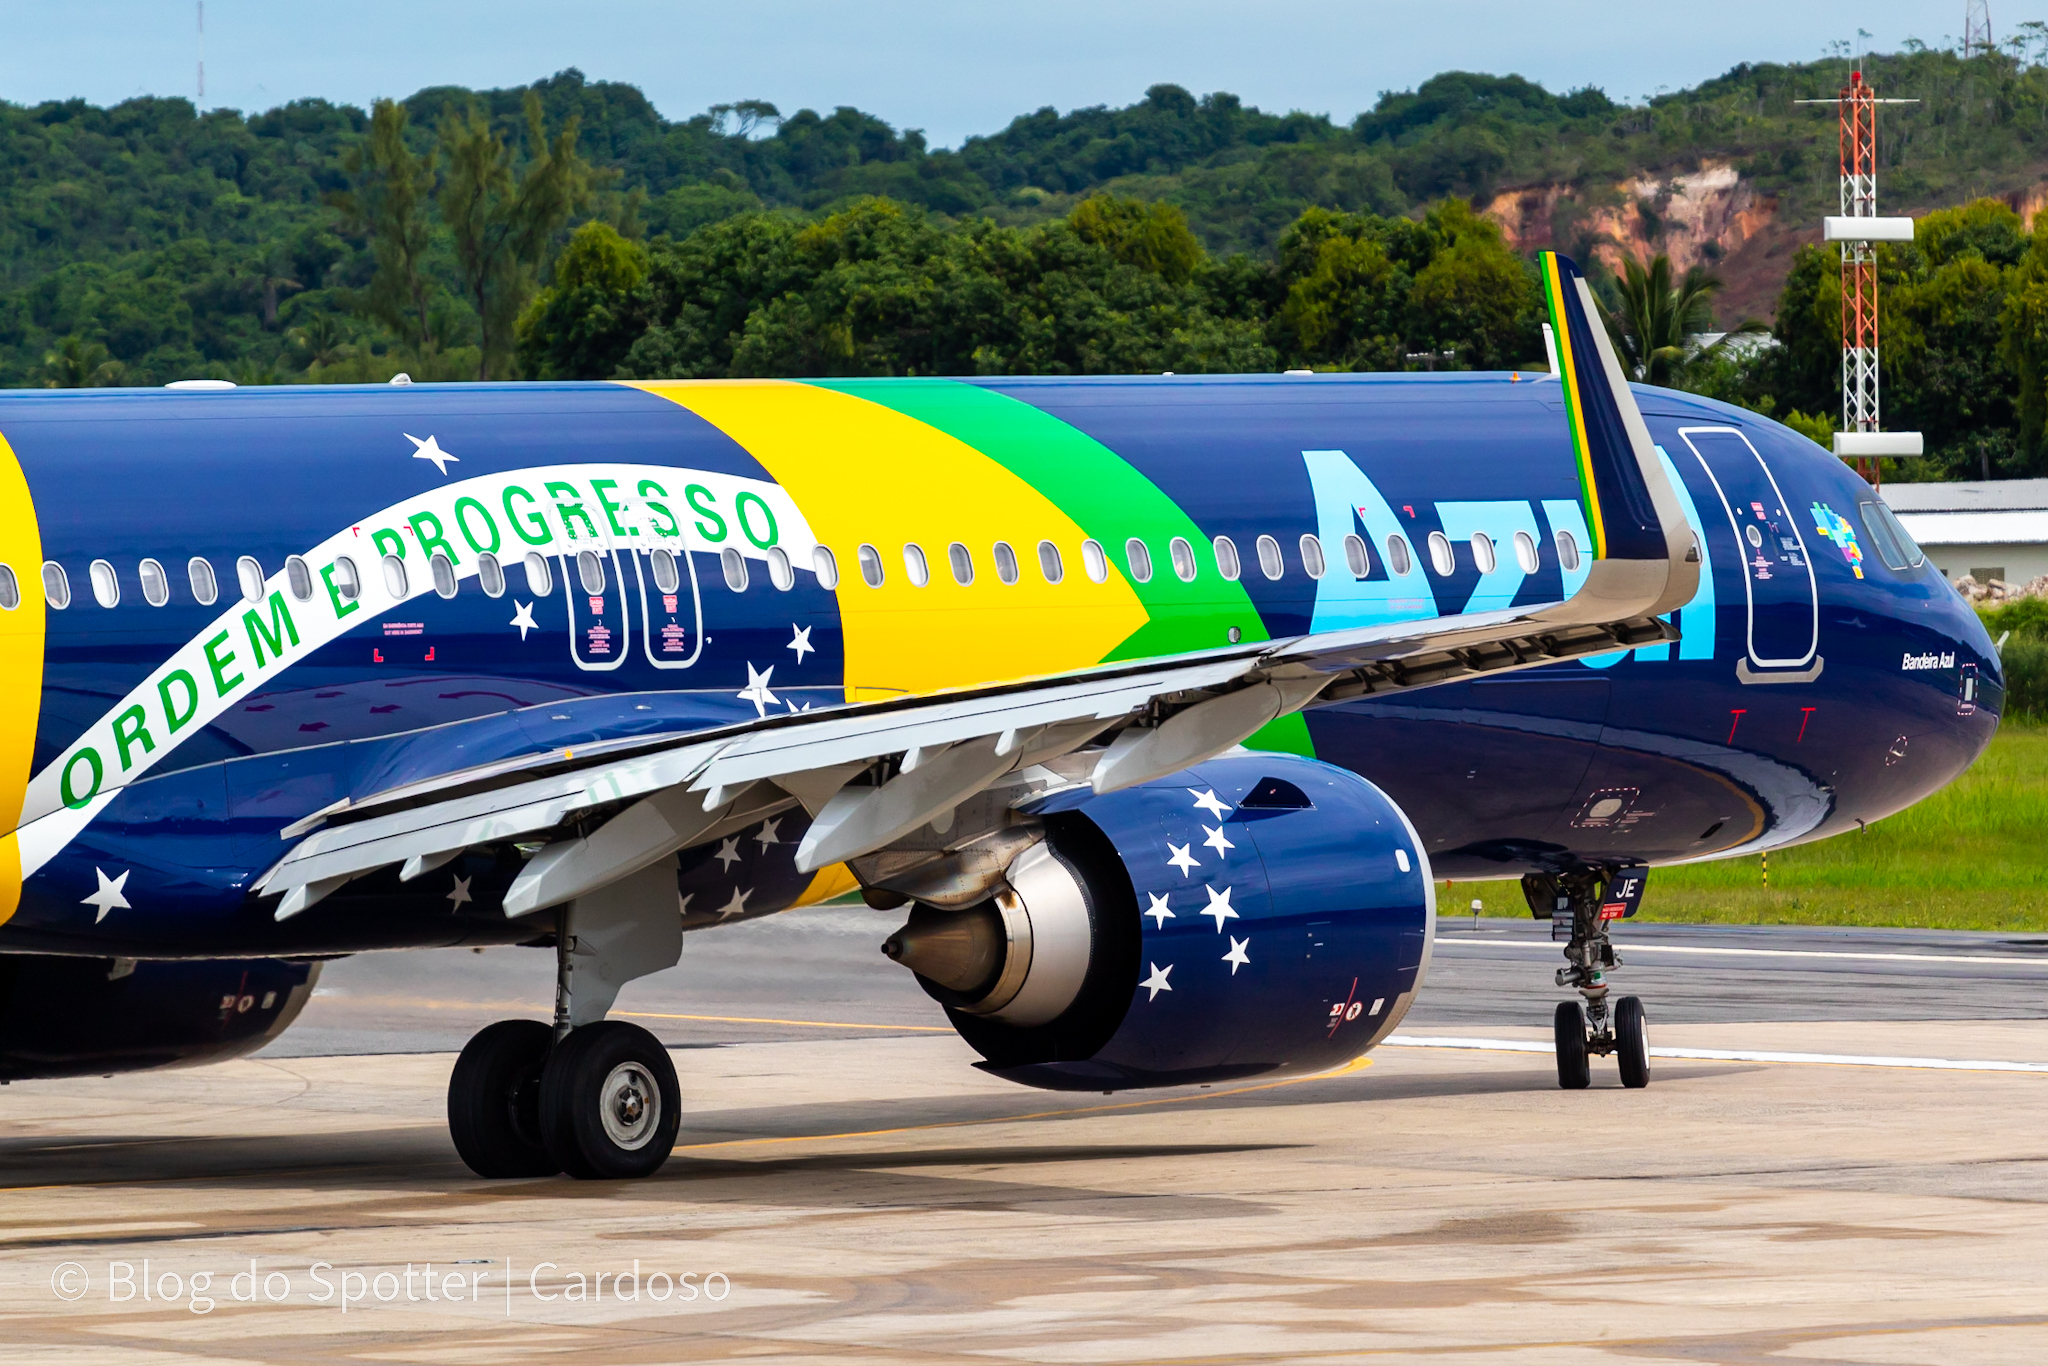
(1841, 1159)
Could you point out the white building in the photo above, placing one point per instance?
(1988, 530)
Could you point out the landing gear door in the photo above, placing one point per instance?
(596, 587)
(1782, 600)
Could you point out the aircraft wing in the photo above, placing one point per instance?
(870, 773)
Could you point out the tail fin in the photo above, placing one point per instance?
(1642, 547)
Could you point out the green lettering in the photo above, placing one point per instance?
(172, 714)
(463, 507)
(648, 486)
(222, 684)
(739, 507)
(73, 799)
(611, 509)
(567, 510)
(131, 727)
(426, 527)
(388, 542)
(342, 606)
(530, 527)
(714, 530)
(273, 635)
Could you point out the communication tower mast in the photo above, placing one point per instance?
(1976, 27)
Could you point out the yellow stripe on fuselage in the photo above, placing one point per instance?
(21, 667)
(865, 474)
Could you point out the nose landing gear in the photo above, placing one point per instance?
(1581, 904)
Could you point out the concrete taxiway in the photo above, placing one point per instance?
(850, 1189)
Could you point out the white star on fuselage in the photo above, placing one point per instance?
(430, 449)
(1206, 801)
(1180, 858)
(1219, 906)
(756, 690)
(769, 834)
(1216, 840)
(802, 642)
(108, 895)
(460, 894)
(729, 853)
(1157, 982)
(1237, 957)
(737, 905)
(522, 617)
(1158, 910)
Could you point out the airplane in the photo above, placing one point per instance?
(1147, 708)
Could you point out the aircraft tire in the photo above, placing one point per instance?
(1632, 1042)
(1574, 1072)
(610, 1105)
(494, 1101)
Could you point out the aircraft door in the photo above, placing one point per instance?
(595, 587)
(671, 608)
(1782, 601)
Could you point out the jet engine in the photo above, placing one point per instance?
(72, 1017)
(1257, 915)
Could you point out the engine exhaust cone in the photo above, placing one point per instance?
(962, 951)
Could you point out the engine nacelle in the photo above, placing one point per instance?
(1257, 915)
(74, 1017)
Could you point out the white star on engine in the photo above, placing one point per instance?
(522, 617)
(729, 853)
(1206, 801)
(460, 894)
(802, 642)
(1157, 982)
(769, 834)
(430, 449)
(1216, 839)
(1180, 858)
(737, 905)
(1158, 910)
(756, 690)
(1219, 906)
(107, 896)
(1237, 957)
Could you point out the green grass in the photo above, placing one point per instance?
(1971, 857)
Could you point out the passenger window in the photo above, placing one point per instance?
(962, 560)
(395, 582)
(490, 575)
(780, 572)
(346, 581)
(56, 587)
(106, 586)
(443, 571)
(204, 588)
(156, 585)
(914, 565)
(250, 574)
(10, 590)
(1227, 563)
(735, 566)
(590, 571)
(1183, 556)
(540, 581)
(1006, 562)
(1139, 559)
(871, 566)
(1525, 552)
(1049, 562)
(1440, 557)
(1482, 553)
(1269, 558)
(1093, 562)
(1567, 551)
(667, 578)
(1312, 556)
(1355, 557)
(297, 575)
(1398, 558)
(826, 566)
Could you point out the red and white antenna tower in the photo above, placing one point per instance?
(1976, 27)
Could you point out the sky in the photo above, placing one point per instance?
(952, 69)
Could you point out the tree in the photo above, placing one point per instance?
(387, 202)
(1652, 321)
(80, 364)
(502, 219)
(582, 325)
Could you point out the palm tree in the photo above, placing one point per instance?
(1652, 321)
(323, 339)
(80, 364)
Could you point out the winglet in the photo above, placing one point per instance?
(1643, 550)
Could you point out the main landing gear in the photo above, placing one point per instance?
(591, 1097)
(1581, 905)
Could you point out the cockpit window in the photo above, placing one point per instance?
(1895, 545)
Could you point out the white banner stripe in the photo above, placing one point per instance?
(2013, 960)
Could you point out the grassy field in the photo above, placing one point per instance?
(1972, 857)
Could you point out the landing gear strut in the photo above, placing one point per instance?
(1581, 904)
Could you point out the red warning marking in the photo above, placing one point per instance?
(1805, 715)
(430, 654)
(1737, 713)
(376, 655)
